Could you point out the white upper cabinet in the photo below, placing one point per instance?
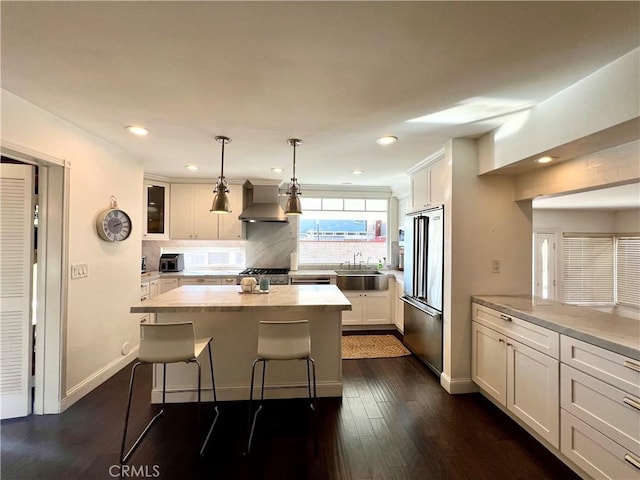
(428, 185)
(191, 218)
(155, 211)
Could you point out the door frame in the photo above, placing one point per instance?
(553, 288)
(51, 297)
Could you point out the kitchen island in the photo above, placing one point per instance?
(232, 318)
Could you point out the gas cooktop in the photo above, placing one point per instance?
(265, 271)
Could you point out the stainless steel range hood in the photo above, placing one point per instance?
(262, 203)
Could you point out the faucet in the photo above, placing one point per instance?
(354, 257)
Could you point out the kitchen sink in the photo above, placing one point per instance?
(358, 272)
(361, 280)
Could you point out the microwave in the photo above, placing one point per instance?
(171, 262)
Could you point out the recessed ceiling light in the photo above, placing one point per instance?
(387, 140)
(277, 169)
(357, 172)
(138, 131)
(546, 159)
(192, 167)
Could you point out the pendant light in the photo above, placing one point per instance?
(221, 200)
(293, 202)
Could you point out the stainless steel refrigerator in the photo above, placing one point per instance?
(423, 279)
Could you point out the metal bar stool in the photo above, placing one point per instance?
(281, 340)
(169, 343)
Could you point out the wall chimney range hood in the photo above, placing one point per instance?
(262, 202)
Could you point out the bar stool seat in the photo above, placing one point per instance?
(281, 340)
(169, 343)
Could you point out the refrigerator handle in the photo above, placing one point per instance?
(416, 256)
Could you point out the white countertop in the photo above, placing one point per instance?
(214, 298)
(613, 332)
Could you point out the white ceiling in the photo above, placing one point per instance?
(335, 74)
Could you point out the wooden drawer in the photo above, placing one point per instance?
(228, 281)
(593, 452)
(527, 333)
(610, 367)
(607, 409)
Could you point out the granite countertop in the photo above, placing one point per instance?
(612, 332)
(214, 298)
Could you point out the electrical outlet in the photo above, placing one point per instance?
(79, 270)
(495, 266)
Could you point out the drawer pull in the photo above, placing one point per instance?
(632, 365)
(631, 402)
(500, 340)
(505, 317)
(632, 460)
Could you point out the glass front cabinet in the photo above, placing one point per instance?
(155, 210)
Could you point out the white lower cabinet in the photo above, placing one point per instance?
(398, 306)
(600, 414)
(370, 307)
(519, 377)
(167, 284)
(200, 281)
(595, 453)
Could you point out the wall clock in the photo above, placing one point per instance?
(113, 224)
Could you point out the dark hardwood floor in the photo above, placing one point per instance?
(394, 421)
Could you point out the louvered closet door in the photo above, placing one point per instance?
(16, 248)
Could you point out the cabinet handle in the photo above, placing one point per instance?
(632, 365)
(200, 280)
(632, 460)
(632, 402)
(509, 344)
(505, 317)
(500, 340)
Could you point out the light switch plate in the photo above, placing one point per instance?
(79, 270)
(495, 266)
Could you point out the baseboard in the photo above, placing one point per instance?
(98, 378)
(457, 385)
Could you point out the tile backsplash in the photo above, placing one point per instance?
(268, 244)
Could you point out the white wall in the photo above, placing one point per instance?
(604, 99)
(627, 221)
(482, 223)
(97, 321)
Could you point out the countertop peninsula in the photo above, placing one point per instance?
(217, 298)
(613, 332)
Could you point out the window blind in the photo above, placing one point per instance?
(588, 269)
(628, 271)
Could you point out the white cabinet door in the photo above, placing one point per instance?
(489, 361)
(533, 390)
(399, 306)
(154, 288)
(353, 316)
(377, 308)
(167, 284)
(155, 210)
(437, 182)
(230, 228)
(182, 211)
(595, 453)
(419, 193)
(205, 222)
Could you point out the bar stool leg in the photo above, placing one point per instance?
(255, 416)
(124, 457)
(215, 404)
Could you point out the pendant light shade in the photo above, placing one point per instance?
(221, 200)
(293, 203)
